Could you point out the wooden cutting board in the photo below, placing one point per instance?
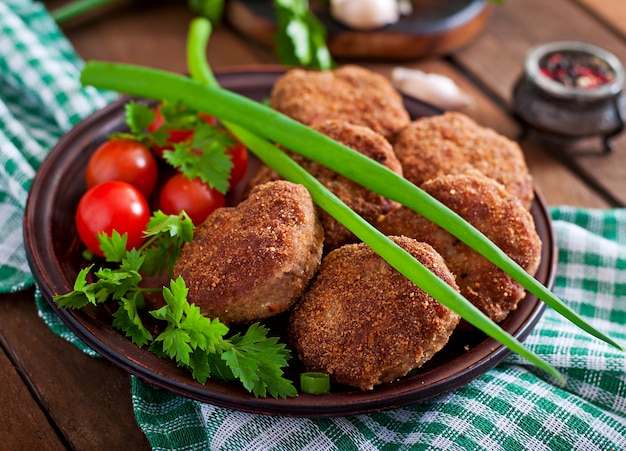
(435, 27)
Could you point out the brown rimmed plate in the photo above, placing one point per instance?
(54, 254)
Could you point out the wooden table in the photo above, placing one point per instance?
(53, 396)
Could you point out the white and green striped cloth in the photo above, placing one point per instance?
(511, 407)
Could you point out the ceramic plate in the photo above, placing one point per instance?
(54, 253)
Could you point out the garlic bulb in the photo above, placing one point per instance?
(365, 14)
(436, 89)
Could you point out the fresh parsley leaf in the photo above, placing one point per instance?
(138, 117)
(200, 150)
(194, 341)
(82, 295)
(177, 116)
(205, 157)
(219, 368)
(199, 364)
(257, 360)
(177, 227)
(166, 235)
(187, 328)
(176, 344)
(127, 318)
(114, 246)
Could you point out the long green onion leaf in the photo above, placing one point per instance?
(76, 8)
(270, 124)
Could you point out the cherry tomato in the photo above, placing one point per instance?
(123, 159)
(239, 156)
(196, 198)
(112, 205)
(207, 118)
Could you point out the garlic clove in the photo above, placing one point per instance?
(436, 89)
(365, 14)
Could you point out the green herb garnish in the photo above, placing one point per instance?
(203, 154)
(166, 234)
(199, 343)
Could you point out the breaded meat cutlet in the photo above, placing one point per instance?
(252, 261)
(349, 93)
(452, 143)
(363, 201)
(364, 323)
(486, 205)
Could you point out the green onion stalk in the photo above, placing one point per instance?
(258, 126)
(211, 9)
(77, 8)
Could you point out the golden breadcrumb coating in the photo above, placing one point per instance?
(252, 261)
(364, 323)
(363, 201)
(486, 205)
(350, 93)
(452, 143)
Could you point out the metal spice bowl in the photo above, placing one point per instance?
(571, 90)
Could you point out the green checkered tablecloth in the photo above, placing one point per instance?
(511, 407)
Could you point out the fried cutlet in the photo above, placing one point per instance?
(252, 261)
(350, 93)
(452, 143)
(364, 323)
(486, 205)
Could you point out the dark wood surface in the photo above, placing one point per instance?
(56, 397)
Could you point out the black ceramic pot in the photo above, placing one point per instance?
(571, 109)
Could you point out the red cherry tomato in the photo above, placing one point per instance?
(112, 205)
(123, 159)
(239, 156)
(207, 118)
(196, 198)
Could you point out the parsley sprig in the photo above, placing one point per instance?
(184, 334)
(204, 155)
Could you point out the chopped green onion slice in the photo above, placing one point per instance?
(314, 383)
